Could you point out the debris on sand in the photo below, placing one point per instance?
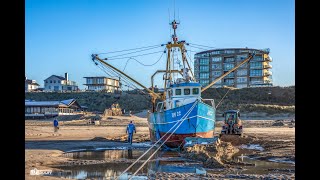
(278, 124)
(212, 155)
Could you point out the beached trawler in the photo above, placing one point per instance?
(178, 111)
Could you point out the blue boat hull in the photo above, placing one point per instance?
(199, 123)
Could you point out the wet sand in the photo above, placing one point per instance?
(44, 148)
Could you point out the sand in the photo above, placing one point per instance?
(44, 148)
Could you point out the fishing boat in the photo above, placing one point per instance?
(178, 111)
(182, 104)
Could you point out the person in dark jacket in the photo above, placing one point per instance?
(130, 129)
(55, 125)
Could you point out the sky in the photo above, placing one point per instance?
(61, 35)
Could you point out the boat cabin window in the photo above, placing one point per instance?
(195, 91)
(178, 91)
(186, 91)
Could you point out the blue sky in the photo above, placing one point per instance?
(60, 35)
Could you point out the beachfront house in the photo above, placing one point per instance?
(59, 83)
(46, 109)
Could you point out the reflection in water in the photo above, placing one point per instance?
(163, 161)
(112, 170)
(130, 154)
(259, 166)
(107, 154)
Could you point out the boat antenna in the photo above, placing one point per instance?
(169, 21)
(174, 9)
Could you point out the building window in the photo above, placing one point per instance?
(186, 91)
(89, 81)
(59, 81)
(241, 85)
(241, 57)
(195, 91)
(244, 51)
(51, 81)
(216, 66)
(229, 81)
(216, 73)
(216, 59)
(204, 68)
(241, 79)
(242, 72)
(218, 82)
(204, 61)
(54, 81)
(257, 58)
(204, 82)
(205, 55)
(228, 66)
(231, 75)
(216, 52)
(256, 81)
(229, 51)
(256, 72)
(204, 75)
(178, 91)
(229, 59)
(255, 65)
(46, 81)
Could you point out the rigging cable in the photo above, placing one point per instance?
(182, 119)
(199, 48)
(133, 52)
(148, 64)
(202, 45)
(132, 56)
(126, 80)
(222, 98)
(159, 140)
(131, 49)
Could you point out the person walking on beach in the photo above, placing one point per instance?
(130, 129)
(55, 125)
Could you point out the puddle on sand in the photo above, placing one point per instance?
(261, 166)
(163, 161)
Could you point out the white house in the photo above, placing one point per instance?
(59, 83)
(101, 83)
(30, 85)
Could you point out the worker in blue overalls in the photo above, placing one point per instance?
(130, 129)
(55, 125)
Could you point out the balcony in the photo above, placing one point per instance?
(267, 66)
(267, 73)
(269, 59)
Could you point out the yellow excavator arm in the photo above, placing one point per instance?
(230, 71)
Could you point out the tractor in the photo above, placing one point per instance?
(232, 123)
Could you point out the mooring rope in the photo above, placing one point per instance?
(159, 139)
(187, 114)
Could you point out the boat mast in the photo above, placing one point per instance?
(186, 67)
